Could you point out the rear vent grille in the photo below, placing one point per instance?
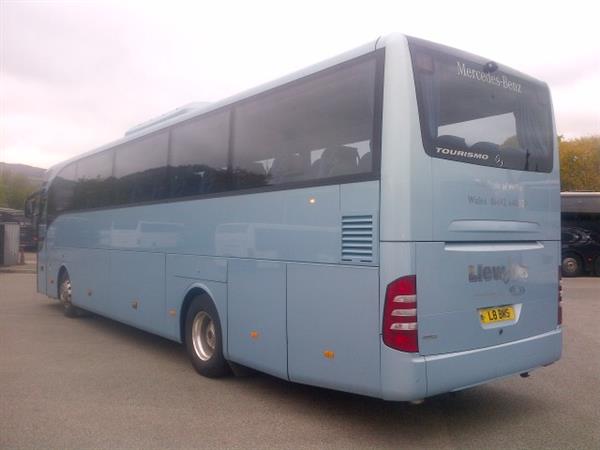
(357, 238)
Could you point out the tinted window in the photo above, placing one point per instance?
(317, 128)
(62, 190)
(141, 170)
(199, 156)
(94, 186)
(471, 111)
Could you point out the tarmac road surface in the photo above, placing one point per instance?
(95, 383)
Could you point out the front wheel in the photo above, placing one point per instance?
(571, 266)
(203, 338)
(65, 295)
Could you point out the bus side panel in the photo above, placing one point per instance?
(137, 283)
(186, 272)
(41, 271)
(406, 213)
(89, 279)
(257, 331)
(41, 260)
(57, 257)
(333, 327)
(51, 272)
(403, 375)
(177, 290)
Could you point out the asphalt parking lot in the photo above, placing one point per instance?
(94, 383)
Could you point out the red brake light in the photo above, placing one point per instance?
(400, 315)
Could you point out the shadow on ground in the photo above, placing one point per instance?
(484, 406)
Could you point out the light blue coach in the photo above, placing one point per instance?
(385, 222)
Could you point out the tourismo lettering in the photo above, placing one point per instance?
(462, 153)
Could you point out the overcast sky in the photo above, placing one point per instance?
(76, 75)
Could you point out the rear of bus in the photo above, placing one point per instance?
(470, 222)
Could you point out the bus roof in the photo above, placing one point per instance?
(580, 202)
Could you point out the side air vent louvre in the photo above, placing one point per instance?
(357, 238)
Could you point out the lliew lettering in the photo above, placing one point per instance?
(514, 272)
(461, 153)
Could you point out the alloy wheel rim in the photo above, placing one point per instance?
(65, 292)
(204, 336)
(570, 265)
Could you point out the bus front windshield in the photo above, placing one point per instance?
(474, 112)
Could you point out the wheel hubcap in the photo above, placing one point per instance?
(570, 265)
(204, 336)
(65, 292)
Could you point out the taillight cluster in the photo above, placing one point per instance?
(559, 296)
(400, 315)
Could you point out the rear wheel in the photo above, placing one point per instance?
(65, 290)
(571, 266)
(597, 266)
(203, 338)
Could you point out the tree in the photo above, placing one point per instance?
(580, 164)
(14, 190)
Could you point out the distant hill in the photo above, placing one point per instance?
(34, 174)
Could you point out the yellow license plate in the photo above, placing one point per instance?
(497, 314)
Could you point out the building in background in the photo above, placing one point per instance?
(26, 237)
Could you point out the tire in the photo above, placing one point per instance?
(597, 266)
(204, 338)
(571, 266)
(65, 295)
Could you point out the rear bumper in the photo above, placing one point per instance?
(405, 377)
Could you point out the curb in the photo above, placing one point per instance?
(16, 270)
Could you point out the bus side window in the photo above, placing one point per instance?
(339, 160)
(94, 187)
(141, 169)
(62, 191)
(289, 167)
(199, 154)
(342, 160)
(365, 164)
(250, 174)
(312, 129)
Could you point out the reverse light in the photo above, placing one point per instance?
(400, 329)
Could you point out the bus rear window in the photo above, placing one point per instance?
(472, 111)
